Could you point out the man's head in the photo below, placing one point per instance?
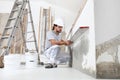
(58, 25)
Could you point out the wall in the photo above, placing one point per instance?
(87, 19)
(107, 30)
(107, 19)
(108, 59)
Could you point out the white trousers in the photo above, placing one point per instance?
(55, 55)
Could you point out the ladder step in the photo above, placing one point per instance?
(12, 18)
(16, 15)
(30, 41)
(32, 50)
(5, 37)
(15, 10)
(30, 22)
(8, 27)
(30, 32)
(19, 2)
(4, 47)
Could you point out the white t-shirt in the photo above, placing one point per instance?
(51, 35)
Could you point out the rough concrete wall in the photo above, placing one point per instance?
(108, 59)
(86, 18)
(80, 51)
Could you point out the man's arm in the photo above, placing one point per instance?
(61, 42)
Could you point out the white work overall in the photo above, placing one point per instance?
(55, 55)
(53, 52)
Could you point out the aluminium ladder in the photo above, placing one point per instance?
(11, 26)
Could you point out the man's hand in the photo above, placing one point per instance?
(61, 42)
(68, 42)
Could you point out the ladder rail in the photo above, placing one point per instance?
(4, 51)
(36, 46)
(32, 26)
(17, 22)
(20, 12)
(16, 15)
(9, 18)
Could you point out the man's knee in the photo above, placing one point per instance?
(55, 46)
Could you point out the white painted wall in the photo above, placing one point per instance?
(6, 6)
(87, 19)
(107, 20)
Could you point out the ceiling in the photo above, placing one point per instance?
(71, 5)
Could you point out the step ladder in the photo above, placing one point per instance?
(13, 24)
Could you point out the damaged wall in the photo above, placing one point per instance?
(108, 59)
(84, 46)
(107, 30)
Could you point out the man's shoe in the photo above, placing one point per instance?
(54, 65)
(49, 65)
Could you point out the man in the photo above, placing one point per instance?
(53, 42)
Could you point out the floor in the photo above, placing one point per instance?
(14, 70)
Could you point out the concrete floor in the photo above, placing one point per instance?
(31, 71)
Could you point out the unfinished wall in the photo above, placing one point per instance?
(80, 49)
(108, 59)
(86, 55)
(107, 30)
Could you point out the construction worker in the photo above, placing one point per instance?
(52, 46)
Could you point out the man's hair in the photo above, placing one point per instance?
(54, 26)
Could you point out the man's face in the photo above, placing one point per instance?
(59, 29)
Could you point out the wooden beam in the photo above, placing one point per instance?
(39, 31)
